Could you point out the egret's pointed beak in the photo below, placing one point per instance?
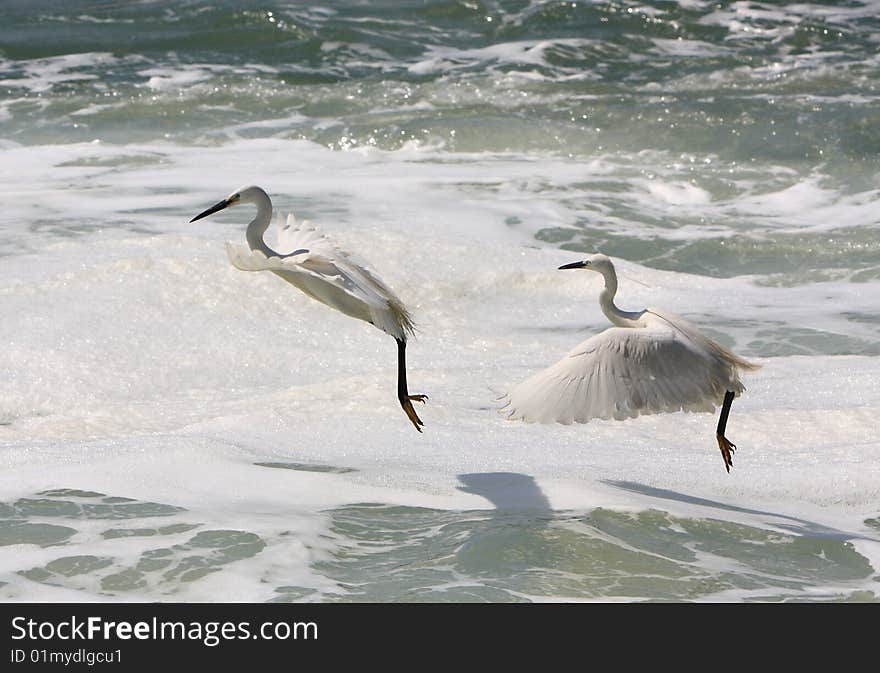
(225, 203)
(573, 265)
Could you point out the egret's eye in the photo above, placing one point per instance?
(587, 263)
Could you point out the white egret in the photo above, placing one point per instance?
(325, 273)
(650, 362)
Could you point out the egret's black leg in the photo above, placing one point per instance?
(727, 447)
(402, 393)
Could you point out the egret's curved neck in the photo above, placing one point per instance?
(606, 302)
(260, 223)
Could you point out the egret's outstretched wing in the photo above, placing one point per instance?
(244, 259)
(328, 274)
(623, 372)
(701, 341)
(294, 235)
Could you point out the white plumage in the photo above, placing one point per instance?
(329, 275)
(650, 362)
(324, 272)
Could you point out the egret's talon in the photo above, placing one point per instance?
(411, 412)
(728, 448)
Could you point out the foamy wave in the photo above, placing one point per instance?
(40, 75)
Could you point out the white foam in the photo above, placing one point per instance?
(681, 47)
(40, 75)
(447, 59)
(738, 15)
(677, 193)
(168, 79)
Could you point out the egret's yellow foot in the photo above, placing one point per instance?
(728, 448)
(411, 414)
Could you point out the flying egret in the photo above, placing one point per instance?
(650, 362)
(325, 273)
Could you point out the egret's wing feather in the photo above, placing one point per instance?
(328, 259)
(245, 259)
(691, 331)
(328, 274)
(621, 373)
(301, 235)
(387, 311)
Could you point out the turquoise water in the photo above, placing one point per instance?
(171, 427)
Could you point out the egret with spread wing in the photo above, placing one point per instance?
(327, 274)
(650, 362)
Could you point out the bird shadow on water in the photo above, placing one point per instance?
(520, 526)
(507, 491)
(794, 524)
(510, 541)
(483, 553)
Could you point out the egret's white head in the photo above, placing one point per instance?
(598, 262)
(246, 194)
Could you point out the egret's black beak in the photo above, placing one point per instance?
(573, 265)
(225, 203)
